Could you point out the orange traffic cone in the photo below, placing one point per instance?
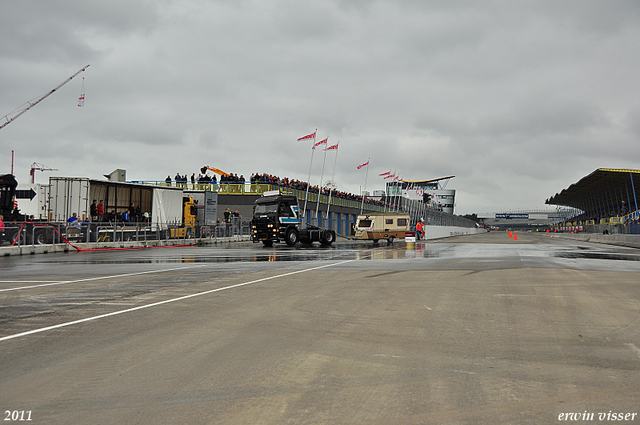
(510, 234)
(515, 236)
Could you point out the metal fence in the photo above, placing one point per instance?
(432, 216)
(55, 233)
(613, 229)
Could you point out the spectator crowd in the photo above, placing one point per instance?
(264, 178)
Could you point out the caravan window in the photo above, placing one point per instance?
(402, 222)
(389, 221)
(364, 223)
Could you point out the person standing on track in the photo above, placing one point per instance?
(420, 229)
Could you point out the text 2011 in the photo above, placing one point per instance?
(17, 415)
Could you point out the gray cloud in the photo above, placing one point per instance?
(516, 99)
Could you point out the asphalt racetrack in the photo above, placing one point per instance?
(477, 329)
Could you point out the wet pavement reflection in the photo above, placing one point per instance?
(244, 252)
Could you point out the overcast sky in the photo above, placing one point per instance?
(516, 99)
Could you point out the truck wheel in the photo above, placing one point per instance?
(268, 243)
(390, 240)
(18, 237)
(123, 237)
(328, 237)
(40, 238)
(291, 238)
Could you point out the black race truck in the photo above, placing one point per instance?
(276, 218)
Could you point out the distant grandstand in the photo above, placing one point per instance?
(433, 191)
(527, 218)
(605, 200)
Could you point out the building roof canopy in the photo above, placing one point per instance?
(613, 187)
(428, 181)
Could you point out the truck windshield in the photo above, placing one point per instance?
(266, 208)
(364, 223)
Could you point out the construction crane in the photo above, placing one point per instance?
(10, 117)
(204, 169)
(38, 167)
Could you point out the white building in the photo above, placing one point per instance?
(434, 191)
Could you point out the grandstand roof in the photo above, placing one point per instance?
(429, 181)
(605, 189)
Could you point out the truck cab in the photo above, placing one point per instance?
(275, 219)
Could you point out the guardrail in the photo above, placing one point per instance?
(31, 234)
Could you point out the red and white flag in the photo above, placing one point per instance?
(363, 165)
(385, 174)
(390, 176)
(333, 147)
(308, 136)
(81, 101)
(321, 142)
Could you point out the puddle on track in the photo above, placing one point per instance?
(338, 251)
(597, 256)
(251, 253)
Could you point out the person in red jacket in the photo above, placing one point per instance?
(100, 211)
(420, 229)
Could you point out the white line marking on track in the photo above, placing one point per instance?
(129, 310)
(633, 347)
(89, 279)
(462, 371)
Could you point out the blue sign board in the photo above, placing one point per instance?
(512, 216)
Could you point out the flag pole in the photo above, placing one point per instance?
(306, 195)
(395, 187)
(410, 201)
(320, 187)
(399, 195)
(333, 175)
(365, 185)
(386, 200)
(399, 202)
(392, 197)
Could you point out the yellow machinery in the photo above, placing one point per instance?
(189, 214)
(221, 173)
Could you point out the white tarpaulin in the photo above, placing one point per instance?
(167, 207)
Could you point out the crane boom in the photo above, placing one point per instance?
(38, 167)
(9, 118)
(215, 170)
